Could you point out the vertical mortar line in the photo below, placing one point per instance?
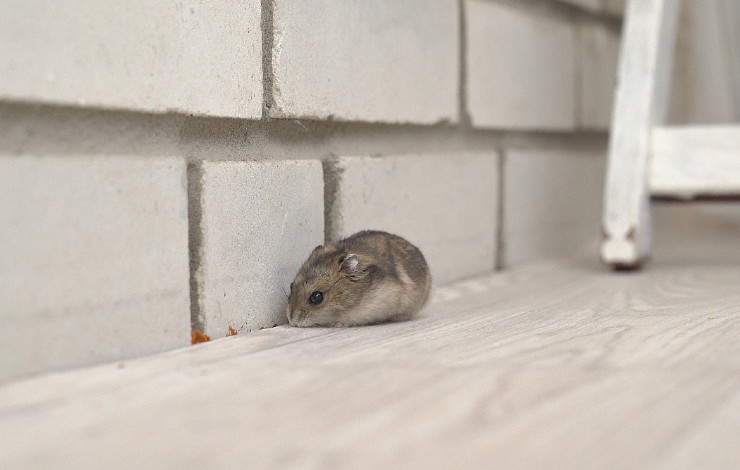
(331, 186)
(463, 111)
(578, 80)
(500, 242)
(267, 25)
(195, 242)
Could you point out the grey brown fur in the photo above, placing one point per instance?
(369, 277)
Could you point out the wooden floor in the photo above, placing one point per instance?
(560, 365)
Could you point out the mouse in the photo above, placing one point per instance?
(369, 277)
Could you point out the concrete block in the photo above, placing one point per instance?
(259, 222)
(615, 7)
(520, 68)
(552, 204)
(444, 204)
(93, 260)
(699, 232)
(380, 61)
(705, 87)
(185, 56)
(599, 58)
(589, 5)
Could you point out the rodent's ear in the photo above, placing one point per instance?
(354, 268)
(349, 265)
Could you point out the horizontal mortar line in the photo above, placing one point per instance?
(99, 117)
(565, 12)
(48, 130)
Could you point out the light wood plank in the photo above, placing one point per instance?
(698, 448)
(554, 365)
(688, 162)
(640, 103)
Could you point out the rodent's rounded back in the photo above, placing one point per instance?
(368, 277)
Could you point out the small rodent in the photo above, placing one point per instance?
(369, 277)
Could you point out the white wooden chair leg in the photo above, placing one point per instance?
(645, 65)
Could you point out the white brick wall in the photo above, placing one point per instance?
(591, 5)
(93, 260)
(259, 222)
(615, 7)
(94, 238)
(696, 232)
(599, 48)
(385, 60)
(185, 56)
(447, 205)
(706, 88)
(552, 204)
(520, 68)
(611, 7)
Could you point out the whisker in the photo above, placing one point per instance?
(279, 286)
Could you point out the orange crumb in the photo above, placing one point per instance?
(197, 336)
(232, 331)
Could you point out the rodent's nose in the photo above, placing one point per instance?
(293, 317)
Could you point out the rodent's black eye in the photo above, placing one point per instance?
(316, 298)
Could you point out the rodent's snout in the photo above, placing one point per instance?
(290, 315)
(293, 317)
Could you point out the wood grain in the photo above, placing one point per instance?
(557, 365)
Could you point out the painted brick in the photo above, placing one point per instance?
(610, 7)
(590, 5)
(599, 58)
(259, 222)
(93, 260)
(444, 204)
(702, 89)
(615, 7)
(699, 232)
(385, 60)
(182, 56)
(552, 204)
(521, 68)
